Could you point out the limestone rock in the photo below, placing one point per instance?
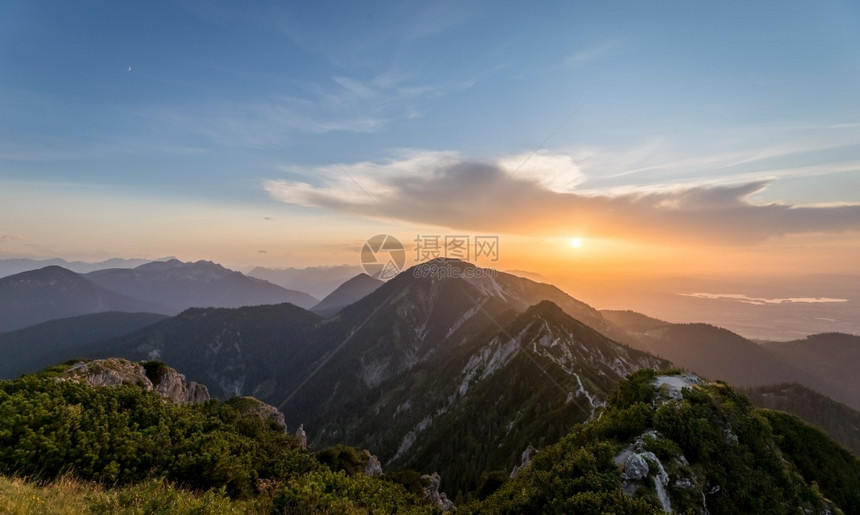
(166, 382)
(373, 467)
(434, 496)
(302, 436)
(258, 408)
(525, 459)
(636, 467)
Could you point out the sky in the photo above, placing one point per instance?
(664, 137)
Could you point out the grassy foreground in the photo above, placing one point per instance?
(67, 495)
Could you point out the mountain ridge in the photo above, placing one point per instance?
(347, 293)
(412, 338)
(53, 292)
(179, 285)
(36, 347)
(717, 352)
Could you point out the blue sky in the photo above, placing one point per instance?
(321, 117)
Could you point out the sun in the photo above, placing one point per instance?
(576, 242)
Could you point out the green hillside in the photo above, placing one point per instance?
(52, 427)
(662, 442)
(687, 445)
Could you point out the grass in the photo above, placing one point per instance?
(70, 496)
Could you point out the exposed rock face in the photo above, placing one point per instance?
(169, 384)
(255, 407)
(302, 436)
(638, 464)
(636, 467)
(434, 496)
(526, 458)
(174, 386)
(373, 467)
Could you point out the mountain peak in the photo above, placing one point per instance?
(547, 307)
(46, 272)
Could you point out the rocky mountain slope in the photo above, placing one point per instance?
(243, 351)
(457, 372)
(678, 444)
(397, 369)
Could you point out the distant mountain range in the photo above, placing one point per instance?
(166, 287)
(178, 286)
(824, 362)
(16, 266)
(458, 375)
(834, 358)
(836, 419)
(318, 281)
(502, 362)
(53, 292)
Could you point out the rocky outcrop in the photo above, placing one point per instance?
(432, 494)
(302, 436)
(525, 459)
(175, 387)
(154, 377)
(638, 464)
(373, 467)
(257, 408)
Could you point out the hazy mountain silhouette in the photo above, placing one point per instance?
(16, 266)
(821, 363)
(351, 291)
(53, 292)
(836, 419)
(318, 281)
(33, 348)
(834, 358)
(179, 286)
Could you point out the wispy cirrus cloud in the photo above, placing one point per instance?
(541, 199)
(11, 238)
(588, 54)
(340, 104)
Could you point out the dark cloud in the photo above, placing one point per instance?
(482, 197)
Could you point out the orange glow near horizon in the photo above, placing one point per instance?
(86, 227)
